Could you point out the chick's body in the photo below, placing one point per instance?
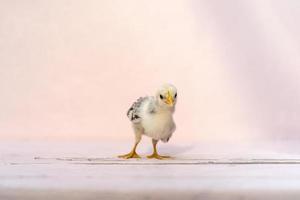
(156, 122)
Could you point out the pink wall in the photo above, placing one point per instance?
(71, 69)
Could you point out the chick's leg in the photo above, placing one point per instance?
(155, 154)
(132, 153)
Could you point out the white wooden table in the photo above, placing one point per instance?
(91, 171)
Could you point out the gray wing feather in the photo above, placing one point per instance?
(152, 106)
(133, 112)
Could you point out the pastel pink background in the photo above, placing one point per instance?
(69, 70)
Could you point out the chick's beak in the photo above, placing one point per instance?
(169, 99)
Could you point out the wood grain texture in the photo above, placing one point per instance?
(85, 171)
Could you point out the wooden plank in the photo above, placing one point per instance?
(181, 161)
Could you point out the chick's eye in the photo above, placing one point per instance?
(175, 95)
(161, 96)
